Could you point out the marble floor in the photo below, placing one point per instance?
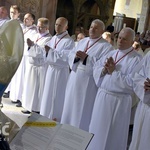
(13, 112)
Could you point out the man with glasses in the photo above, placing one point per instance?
(36, 68)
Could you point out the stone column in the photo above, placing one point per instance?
(49, 10)
(143, 16)
(147, 22)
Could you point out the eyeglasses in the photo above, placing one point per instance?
(40, 27)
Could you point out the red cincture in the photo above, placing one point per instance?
(116, 61)
(41, 37)
(87, 47)
(56, 43)
(27, 30)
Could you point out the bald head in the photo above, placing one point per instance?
(61, 25)
(126, 38)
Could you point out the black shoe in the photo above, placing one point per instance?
(1, 105)
(19, 104)
(6, 95)
(14, 102)
(25, 111)
(36, 112)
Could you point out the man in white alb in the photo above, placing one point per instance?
(36, 68)
(112, 108)
(17, 81)
(81, 88)
(58, 71)
(141, 129)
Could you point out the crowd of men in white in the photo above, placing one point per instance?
(89, 86)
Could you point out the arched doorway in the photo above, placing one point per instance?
(65, 8)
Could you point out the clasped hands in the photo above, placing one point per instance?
(81, 55)
(147, 85)
(29, 42)
(109, 66)
(47, 48)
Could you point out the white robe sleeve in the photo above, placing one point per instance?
(98, 68)
(54, 55)
(97, 71)
(35, 51)
(124, 82)
(138, 85)
(139, 79)
(36, 55)
(91, 60)
(71, 58)
(120, 81)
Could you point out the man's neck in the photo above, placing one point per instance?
(60, 33)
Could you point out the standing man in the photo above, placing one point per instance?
(17, 81)
(58, 71)
(36, 68)
(141, 129)
(81, 88)
(112, 108)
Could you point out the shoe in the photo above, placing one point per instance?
(1, 105)
(54, 119)
(14, 102)
(6, 95)
(19, 104)
(25, 111)
(36, 112)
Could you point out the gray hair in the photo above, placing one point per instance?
(131, 31)
(99, 22)
(65, 20)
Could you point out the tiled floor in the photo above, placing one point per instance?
(13, 112)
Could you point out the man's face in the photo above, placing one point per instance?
(80, 36)
(60, 26)
(14, 14)
(3, 13)
(41, 27)
(95, 30)
(28, 20)
(124, 40)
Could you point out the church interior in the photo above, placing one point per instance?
(80, 13)
(132, 13)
